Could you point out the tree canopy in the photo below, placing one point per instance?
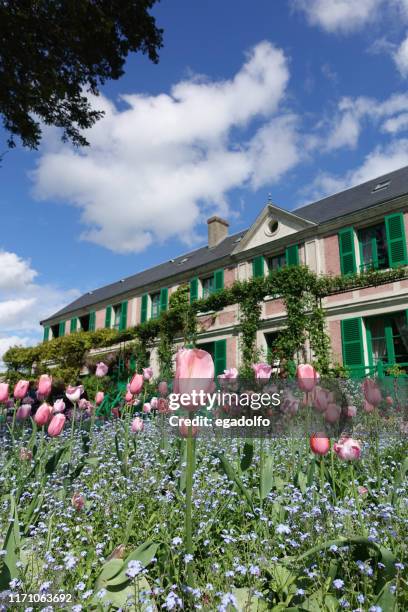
(55, 52)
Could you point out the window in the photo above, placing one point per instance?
(271, 355)
(155, 298)
(381, 186)
(54, 330)
(208, 286)
(276, 262)
(373, 248)
(84, 322)
(387, 339)
(116, 316)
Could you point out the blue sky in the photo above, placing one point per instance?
(294, 98)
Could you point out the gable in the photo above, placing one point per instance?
(271, 224)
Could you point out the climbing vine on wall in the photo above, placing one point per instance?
(300, 290)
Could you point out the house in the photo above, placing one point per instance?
(361, 228)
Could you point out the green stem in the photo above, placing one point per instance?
(72, 432)
(188, 516)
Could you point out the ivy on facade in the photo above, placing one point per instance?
(300, 290)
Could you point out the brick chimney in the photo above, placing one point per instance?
(217, 230)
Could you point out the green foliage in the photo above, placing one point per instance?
(300, 290)
(52, 53)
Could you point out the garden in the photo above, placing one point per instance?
(106, 504)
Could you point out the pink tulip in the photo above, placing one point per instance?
(389, 400)
(43, 414)
(101, 369)
(351, 411)
(319, 444)
(194, 372)
(137, 425)
(332, 414)
(99, 397)
(136, 384)
(230, 374)
(4, 393)
(25, 454)
(74, 393)
(45, 385)
(262, 371)
(128, 397)
(163, 387)
(147, 373)
(84, 404)
(23, 412)
(163, 406)
(185, 429)
(322, 398)
(147, 408)
(367, 407)
(21, 388)
(154, 402)
(56, 425)
(347, 449)
(307, 377)
(290, 404)
(59, 406)
(78, 501)
(372, 392)
(116, 412)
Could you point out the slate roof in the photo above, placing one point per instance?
(329, 208)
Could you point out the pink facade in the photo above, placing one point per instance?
(100, 319)
(232, 346)
(334, 331)
(331, 255)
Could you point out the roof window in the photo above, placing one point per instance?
(381, 186)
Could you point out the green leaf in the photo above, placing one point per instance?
(11, 545)
(281, 578)
(118, 451)
(52, 462)
(247, 455)
(120, 595)
(247, 601)
(301, 481)
(386, 599)
(233, 476)
(109, 570)
(316, 600)
(266, 477)
(144, 554)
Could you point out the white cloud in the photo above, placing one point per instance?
(382, 160)
(158, 166)
(396, 124)
(345, 127)
(23, 302)
(15, 272)
(339, 15)
(345, 133)
(401, 57)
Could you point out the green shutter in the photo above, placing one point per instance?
(61, 329)
(108, 316)
(46, 334)
(164, 295)
(123, 316)
(220, 356)
(193, 290)
(352, 343)
(73, 325)
(292, 255)
(143, 311)
(397, 245)
(347, 252)
(219, 280)
(92, 321)
(258, 266)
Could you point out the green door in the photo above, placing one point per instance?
(387, 340)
